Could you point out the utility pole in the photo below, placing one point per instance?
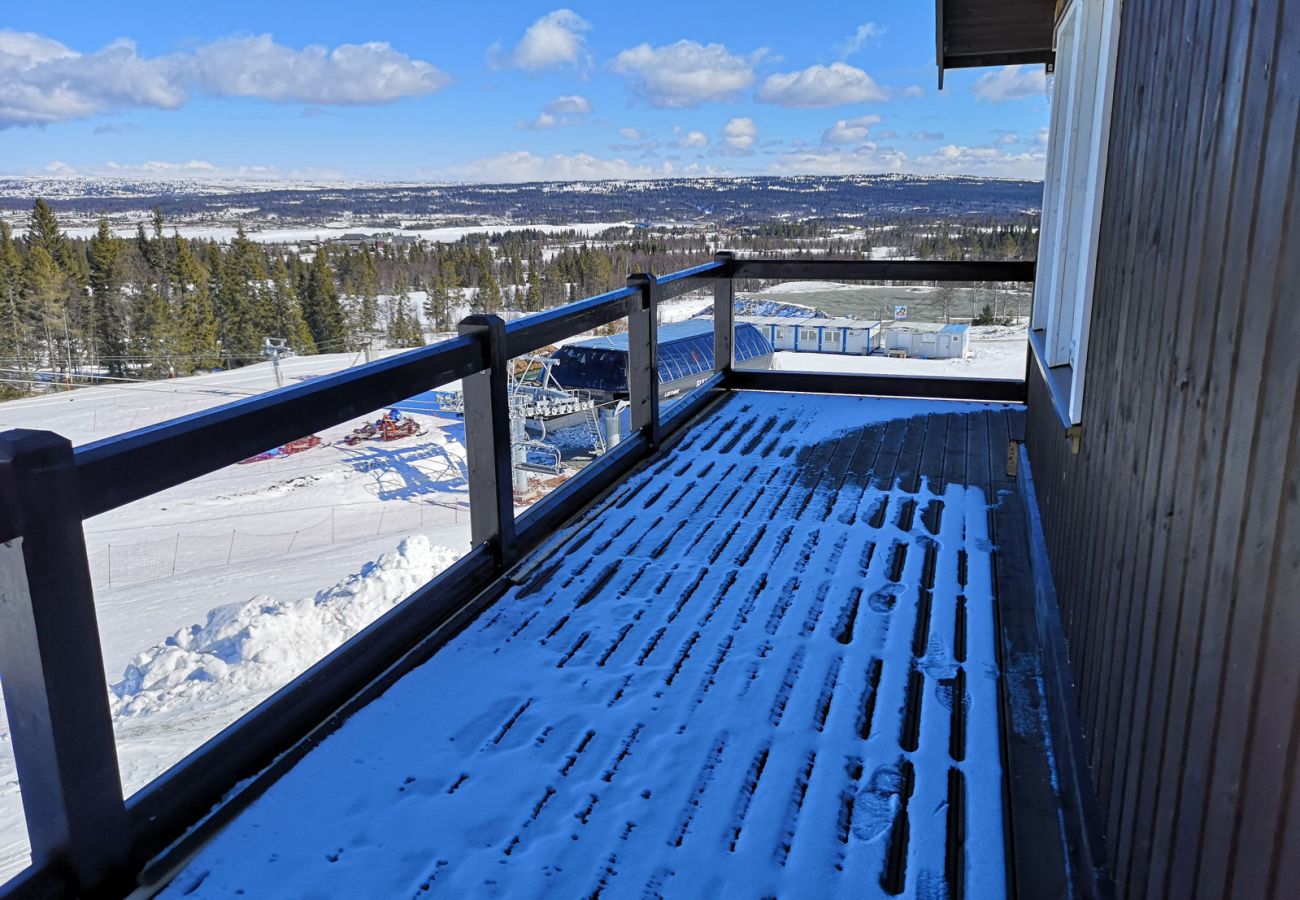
(274, 349)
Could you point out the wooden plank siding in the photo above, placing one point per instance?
(1174, 535)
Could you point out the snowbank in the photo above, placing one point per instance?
(807, 287)
(770, 309)
(261, 645)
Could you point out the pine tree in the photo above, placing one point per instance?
(553, 286)
(242, 306)
(321, 307)
(42, 295)
(43, 230)
(149, 327)
(488, 297)
(437, 306)
(194, 336)
(286, 315)
(365, 282)
(403, 326)
(533, 293)
(13, 327)
(108, 317)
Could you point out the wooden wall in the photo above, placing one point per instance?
(1174, 535)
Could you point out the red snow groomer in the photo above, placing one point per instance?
(288, 449)
(391, 426)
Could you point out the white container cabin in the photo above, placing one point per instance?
(858, 337)
(929, 341)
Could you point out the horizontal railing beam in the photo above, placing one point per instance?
(687, 280)
(127, 467)
(534, 332)
(883, 270)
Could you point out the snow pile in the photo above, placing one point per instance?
(808, 287)
(261, 645)
(769, 309)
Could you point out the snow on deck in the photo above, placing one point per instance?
(764, 666)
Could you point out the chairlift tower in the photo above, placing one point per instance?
(275, 349)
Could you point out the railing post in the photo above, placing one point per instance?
(52, 666)
(487, 443)
(643, 360)
(724, 314)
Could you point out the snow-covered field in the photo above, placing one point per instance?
(215, 593)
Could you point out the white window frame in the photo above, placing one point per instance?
(1087, 41)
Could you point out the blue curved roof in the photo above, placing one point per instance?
(668, 334)
(685, 349)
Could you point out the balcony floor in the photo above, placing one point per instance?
(765, 665)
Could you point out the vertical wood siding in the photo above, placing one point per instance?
(1174, 535)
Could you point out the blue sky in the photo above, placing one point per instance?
(503, 91)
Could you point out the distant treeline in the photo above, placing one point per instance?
(159, 304)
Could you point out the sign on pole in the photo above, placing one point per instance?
(900, 312)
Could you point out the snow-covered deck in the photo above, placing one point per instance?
(765, 665)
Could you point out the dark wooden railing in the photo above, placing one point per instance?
(85, 836)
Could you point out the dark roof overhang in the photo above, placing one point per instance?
(972, 33)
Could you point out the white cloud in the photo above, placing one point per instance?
(687, 73)
(820, 86)
(572, 109)
(692, 139)
(912, 91)
(523, 165)
(191, 169)
(927, 135)
(631, 134)
(350, 74)
(866, 158)
(849, 131)
(189, 166)
(556, 39)
(854, 42)
(869, 158)
(569, 105)
(740, 133)
(1007, 138)
(989, 161)
(1011, 83)
(43, 81)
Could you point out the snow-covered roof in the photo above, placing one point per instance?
(927, 326)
